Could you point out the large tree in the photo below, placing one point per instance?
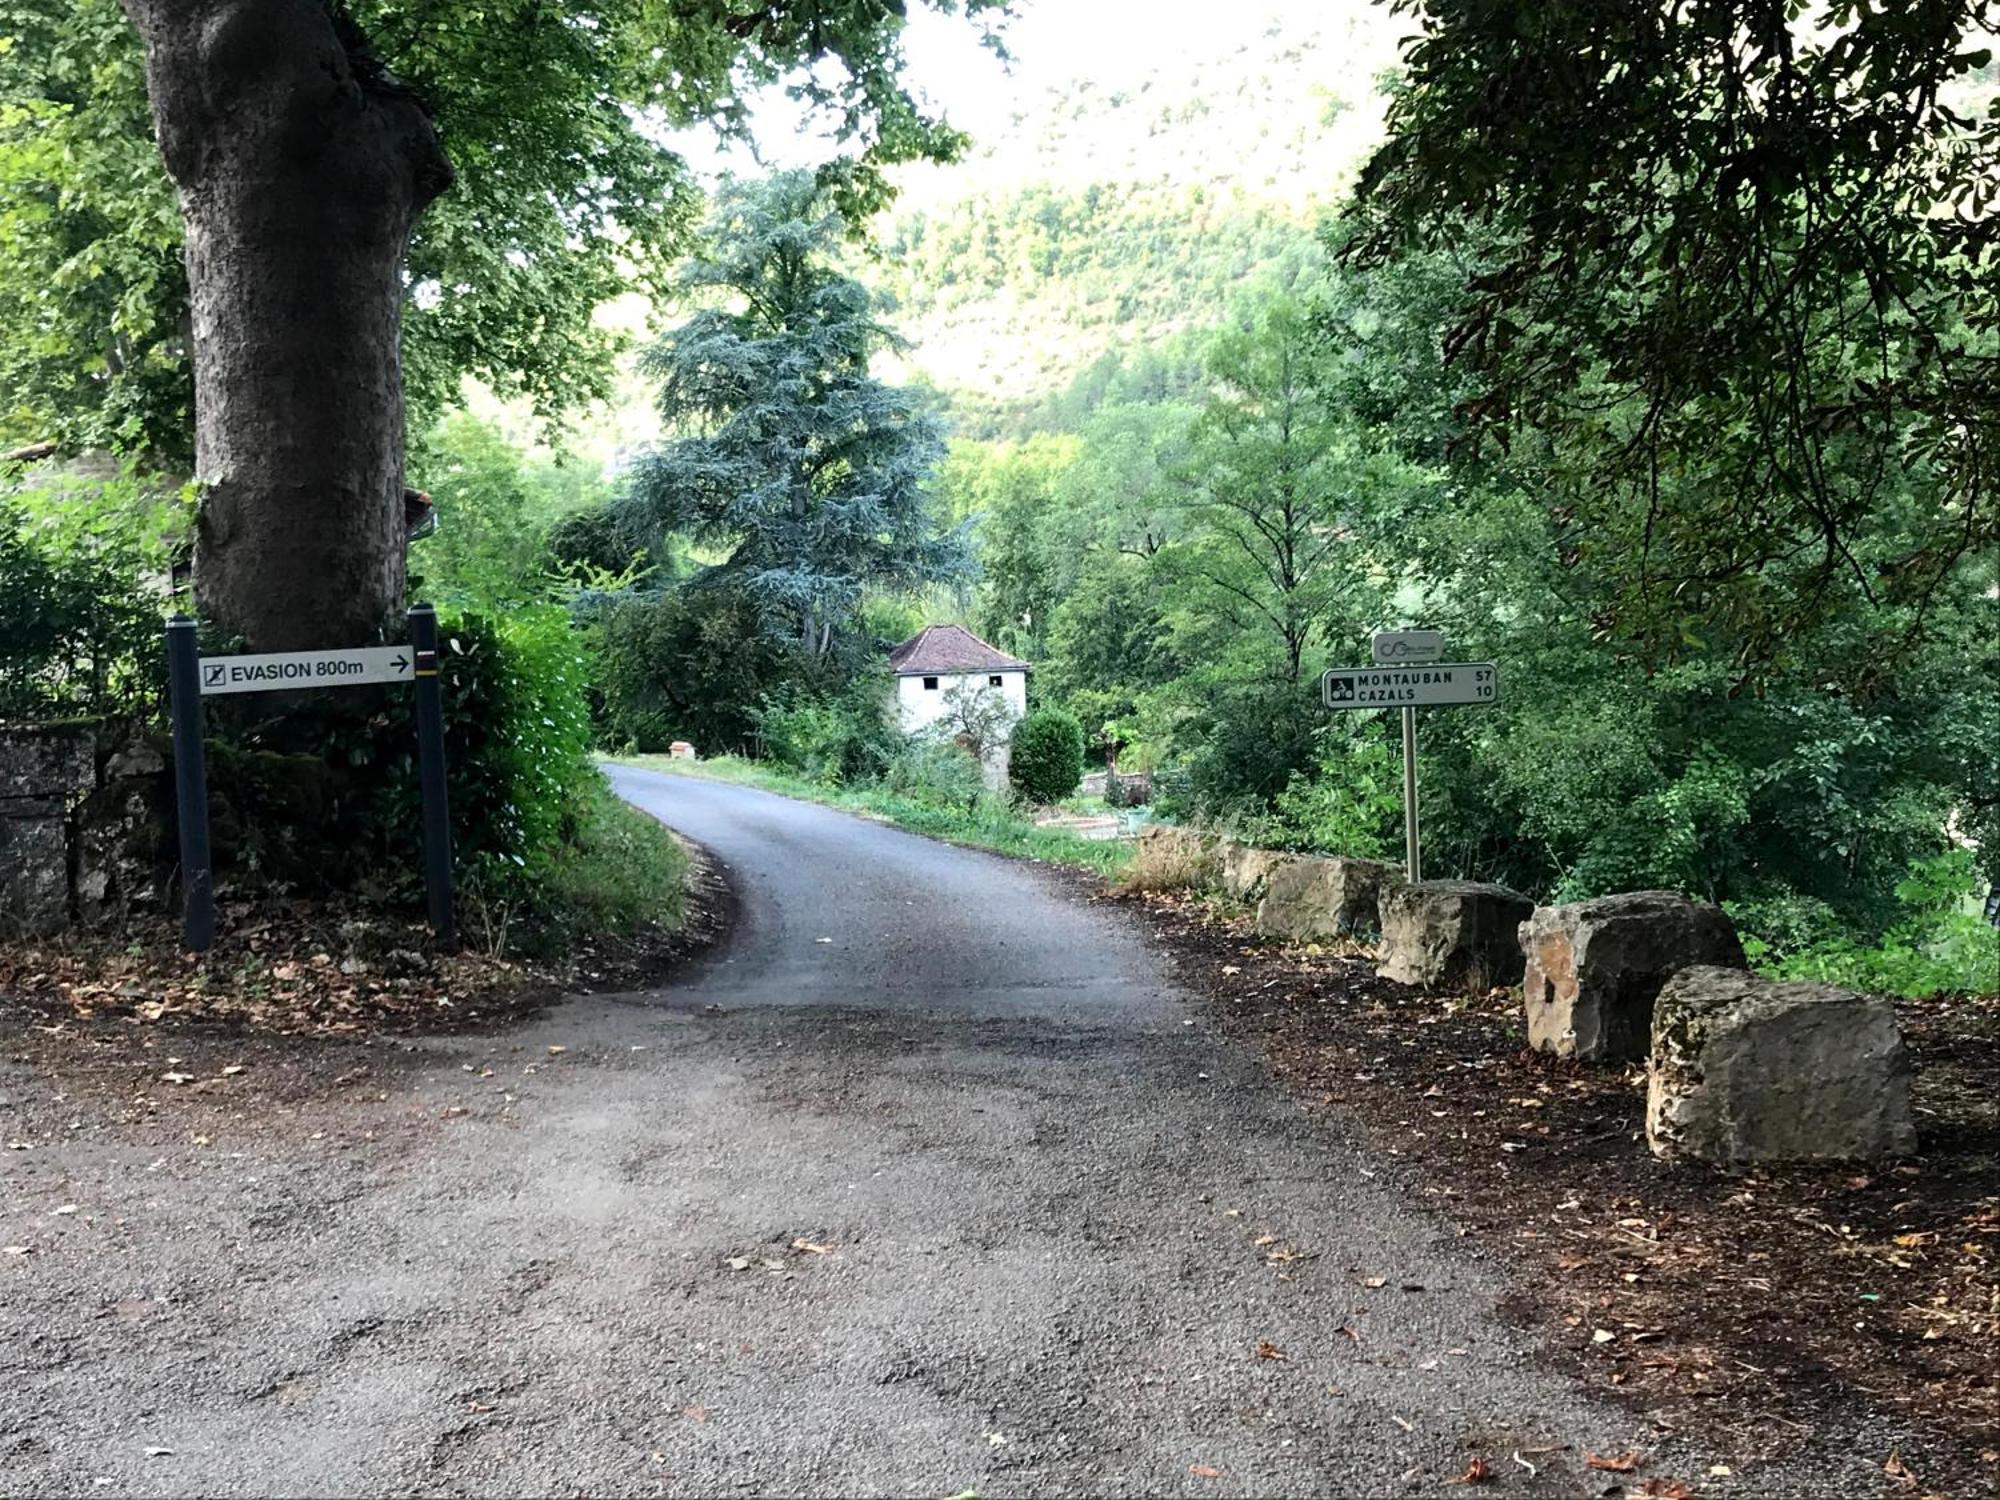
(306, 138)
(808, 474)
(1733, 260)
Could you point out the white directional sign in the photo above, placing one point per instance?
(277, 670)
(1402, 647)
(1434, 686)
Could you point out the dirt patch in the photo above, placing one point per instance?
(1767, 1310)
(338, 969)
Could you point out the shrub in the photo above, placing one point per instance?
(1047, 761)
(688, 664)
(79, 632)
(936, 774)
(836, 741)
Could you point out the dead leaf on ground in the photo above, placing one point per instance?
(1667, 1489)
(1622, 1463)
(1204, 1471)
(1268, 1350)
(1374, 1282)
(1897, 1470)
(807, 1247)
(1479, 1471)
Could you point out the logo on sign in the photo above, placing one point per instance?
(213, 673)
(1340, 690)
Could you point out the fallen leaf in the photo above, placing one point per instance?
(1602, 1336)
(1203, 1471)
(1623, 1463)
(1479, 1471)
(1667, 1489)
(1265, 1239)
(807, 1247)
(1268, 1350)
(1374, 1281)
(1897, 1470)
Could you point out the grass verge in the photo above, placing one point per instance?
(991, 824)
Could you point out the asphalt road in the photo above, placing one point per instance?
(929, 1180)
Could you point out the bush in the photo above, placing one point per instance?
(79, 632)
(935, 773)
(517, 741)
(1047, 762)
(836, 741)
(689, 664)
(618, 871)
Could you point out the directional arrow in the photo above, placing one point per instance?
(288, 670)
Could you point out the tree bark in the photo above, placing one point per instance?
(302, 166)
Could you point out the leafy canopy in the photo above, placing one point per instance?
(553, 117)
(1734, 261)
(802, 469)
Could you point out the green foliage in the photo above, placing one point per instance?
(517, 740)
(564, 197)
(839, 740)
(801, 468)
(688, 664)
(935, 774)
(1937, 946)
(618, 871)
(496, 508)
(1047, 762)
(80, 634)
(1736, 274)
(1351, 801)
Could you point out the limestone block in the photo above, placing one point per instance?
(34, 868)
(1452, 932)
(1595, 967)
(1246, 871)
(1174, 858)
(1746, 1069)
(1306, 900)
(40, 762)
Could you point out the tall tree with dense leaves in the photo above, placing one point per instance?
(306, 139)
(1265, 482)
(1735, 262)
(808, 473)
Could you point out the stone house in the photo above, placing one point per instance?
(951, 682)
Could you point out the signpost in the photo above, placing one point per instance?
(1411, 677)
(1400, 648)
(192, 677)
(303, 669)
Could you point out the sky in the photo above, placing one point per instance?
(1051, 43)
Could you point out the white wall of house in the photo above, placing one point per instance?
(919, 707)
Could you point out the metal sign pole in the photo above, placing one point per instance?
(430, 765)
(190, 786)
(1412, 854)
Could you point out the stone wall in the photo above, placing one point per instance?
(81, 824)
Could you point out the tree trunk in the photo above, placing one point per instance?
(301, 166)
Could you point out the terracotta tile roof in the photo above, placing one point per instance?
(938, 649)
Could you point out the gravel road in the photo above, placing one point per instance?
(927, 1180)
